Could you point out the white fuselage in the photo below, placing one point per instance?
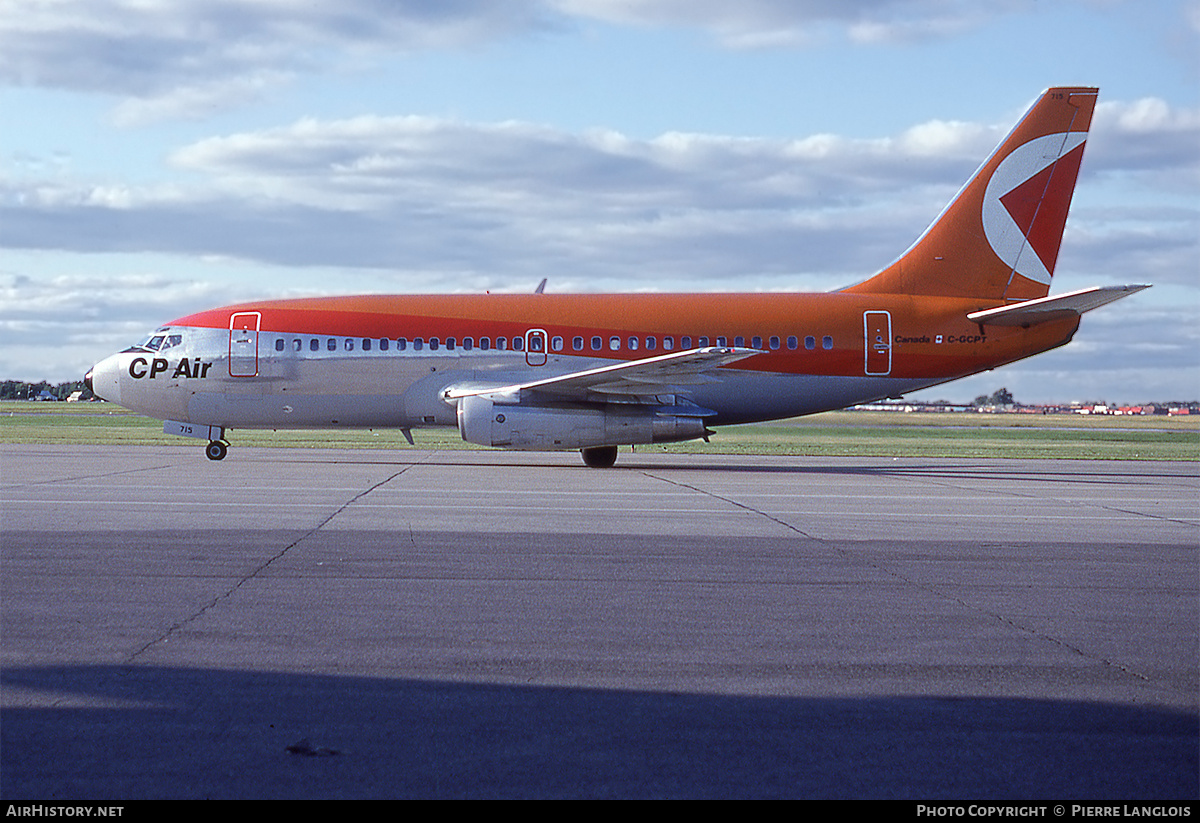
(287, 382)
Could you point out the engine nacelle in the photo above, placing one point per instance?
(545, 428)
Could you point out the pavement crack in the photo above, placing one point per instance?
(262, 567)
(930, 588)
(734, 503)
(1018, 495)
(51, 481)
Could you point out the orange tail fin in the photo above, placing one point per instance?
(999, 237)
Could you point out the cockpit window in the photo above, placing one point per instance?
(160, 340)
(154, 342)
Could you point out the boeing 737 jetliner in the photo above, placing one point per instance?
(597, 371)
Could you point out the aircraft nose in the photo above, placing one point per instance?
(104, 379)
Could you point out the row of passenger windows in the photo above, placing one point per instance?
(537, 343)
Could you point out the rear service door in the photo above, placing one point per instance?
(243, 343)
(877, 337)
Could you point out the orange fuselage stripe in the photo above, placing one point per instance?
(916, 323)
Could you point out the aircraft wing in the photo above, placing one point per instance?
(1044, 309)
(663, 374)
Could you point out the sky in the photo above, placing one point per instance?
(160, 157)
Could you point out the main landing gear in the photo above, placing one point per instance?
(216, 450)
(600, 457)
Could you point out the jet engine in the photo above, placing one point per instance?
(545, 428)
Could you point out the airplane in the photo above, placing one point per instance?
(597, 371)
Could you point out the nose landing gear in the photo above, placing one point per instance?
(215, 435)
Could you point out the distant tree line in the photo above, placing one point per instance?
(1000, 397)
(22, 390)
(1003, 397)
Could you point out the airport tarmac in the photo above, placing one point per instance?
(331, 623)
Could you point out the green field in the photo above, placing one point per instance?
(843, 433)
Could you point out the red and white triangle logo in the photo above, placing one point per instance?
(1027, 199)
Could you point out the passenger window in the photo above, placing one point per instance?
(556, 344)
(349, 344)
(633, 344)
(279, 344)
(401, 343)
(597, 344)
(685, 342)
(501, 343)
(614, 343)
(434, 343)
(536, 342)
(668, 343)
(651, 344)
(450, 344)
(827, 343)
(739, 342)
(366, 344)
(418, 344)
(384, 343)
(702, 342)
(577, 343)
(314, 345)
(331, 344)
(810, 342)
(297, 344)
(485, 343)
(756, 342)
(774, 342)
(518, 344)
(721, 341)
(468, 343)
(793, 343)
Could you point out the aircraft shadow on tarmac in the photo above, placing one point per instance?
(130, 732)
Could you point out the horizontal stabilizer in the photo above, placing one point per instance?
(1045, 309)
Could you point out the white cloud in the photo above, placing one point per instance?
(55, 325)
(199, 100)
(503, 198)
(390, 157)
(1148, 136)
(427, 193)
(422, 204)
(182, 58)
(790, 23)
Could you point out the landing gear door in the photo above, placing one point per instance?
(877, 337)
(243, 343)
